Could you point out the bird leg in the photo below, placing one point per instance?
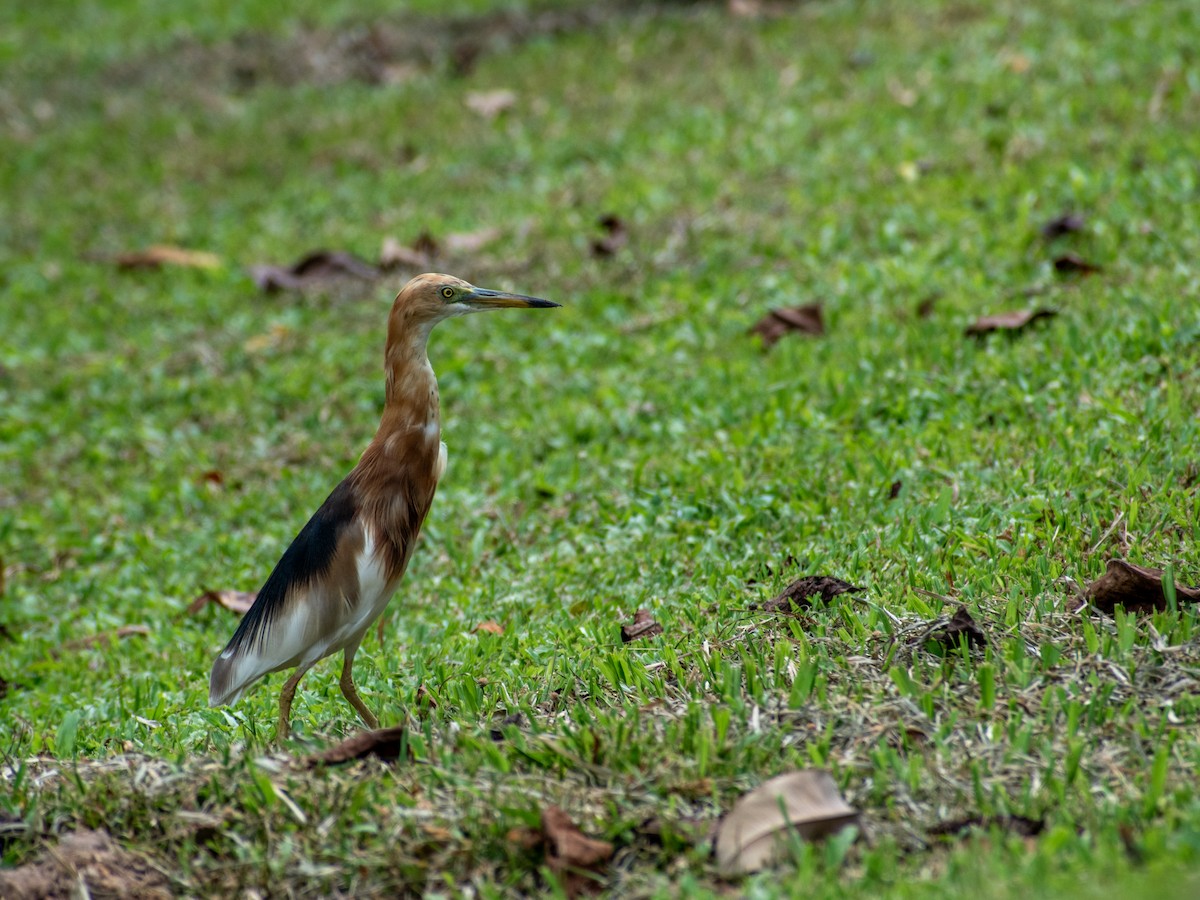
(350, 692)
(284, 728)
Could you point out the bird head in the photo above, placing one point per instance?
(430, 298)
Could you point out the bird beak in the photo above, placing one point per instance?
(481, 298)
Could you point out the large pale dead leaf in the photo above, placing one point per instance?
(1136, 588)
(643, 625)
(384, 743)
(571, 854)
(754, 834)
(1012, 321)
(778, 322)
(800, 592)
(159, 255)
(235, 601)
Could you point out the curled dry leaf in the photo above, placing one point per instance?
(798, 594)
(159, 255)
(643, 625)
(1066, 223)
(1018, 825)
(1073, 263)
(753, 835)
(1013, 321)
(571, 854)
(395, 255)
(1137, 588)
(235, 601)
(960, 626)
(778, 322)
(490, 626)
(490, 104)
(86, 863)
(616, 236)
(894, 490)
(313, 268)
(384, 743)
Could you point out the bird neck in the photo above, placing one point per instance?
(411, 392)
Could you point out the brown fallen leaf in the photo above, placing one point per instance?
(1066, 223)
(490, 104)
(1012, 321)
(497, 731)
(616, 236)
(754, 834)
(159, 255)
(470, 241)
(643, 625)
(1074, 264)
(1136, 588)
(960, 625)
(778, 322)
(87, 863)
(310, 269)
(797, 594)
(384, 743)
(925, 307)
(395, 255)
(104, 638)
(571, 855)
(235, 601)
(1018, 825)
(490, 626)
(894, 490)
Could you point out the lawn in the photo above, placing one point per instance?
(166, 431)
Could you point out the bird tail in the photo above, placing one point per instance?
(230, 677)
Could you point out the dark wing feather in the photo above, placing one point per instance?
(308, 558)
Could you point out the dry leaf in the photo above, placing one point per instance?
(497, 731)
(490, 626)
(86, 863)
(755, 831)
(1013, 321)
(1136, 588)
(1073, 263)
(235, 601)
(395, 255)
(925, 307)
(1018, 825)
(315, 267)
(894, 490)
(571, 854)
(616, 235)
(159, 255)
(384, 743)
(490, 104)
(470, 241)
(1067, 223)
(796, 595)
(105, 638)
(778, 322)
(643, 626)
(960, 625)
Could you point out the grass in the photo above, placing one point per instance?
(168, 431)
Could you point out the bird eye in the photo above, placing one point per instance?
(447, 292)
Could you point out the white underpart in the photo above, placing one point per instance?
(290, 642)
(440, 469)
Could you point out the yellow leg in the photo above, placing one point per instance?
(350, 692)
(284, 728)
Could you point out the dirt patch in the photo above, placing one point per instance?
(85, 863)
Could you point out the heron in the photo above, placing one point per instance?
(340, 571)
